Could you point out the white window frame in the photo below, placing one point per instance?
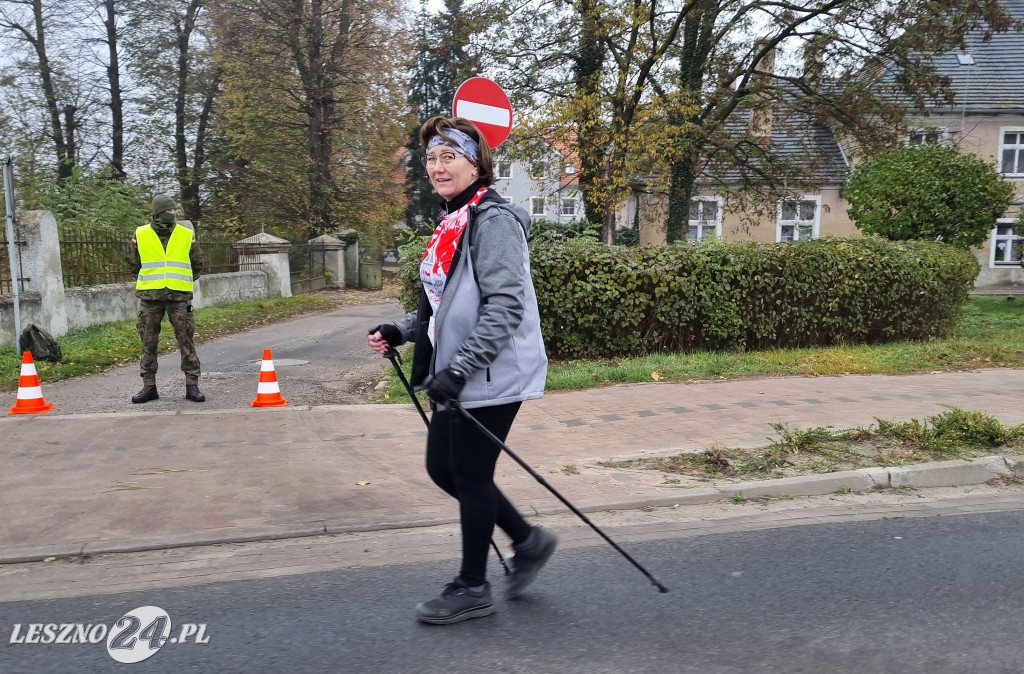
(994, 238)
(562, 202)
(815, 226)
(543, 206)
(718, 219)
(497, 170)
(941, 133)
(1019, 146)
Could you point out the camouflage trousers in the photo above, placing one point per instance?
(151, 314)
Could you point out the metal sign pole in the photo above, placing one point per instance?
(12, 249)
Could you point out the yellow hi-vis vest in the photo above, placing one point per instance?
(161, 268)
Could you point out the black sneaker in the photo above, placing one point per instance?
(529, 557)
(456, 603)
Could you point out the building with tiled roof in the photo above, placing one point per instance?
(985, 118)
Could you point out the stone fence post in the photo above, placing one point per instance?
(332, 251)
(271, 253)
(352, 262)
(41, 269)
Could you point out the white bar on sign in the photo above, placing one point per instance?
(486, 114)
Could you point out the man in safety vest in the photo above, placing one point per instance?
(166, 260)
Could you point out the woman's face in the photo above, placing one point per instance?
(449, 171)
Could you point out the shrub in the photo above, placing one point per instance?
(410, 254)
(550, 230)
(931, 192)
(89, 202)
(600, 301)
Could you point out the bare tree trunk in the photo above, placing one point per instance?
(70, 147)
(318, 64)
(190, 195)
(180, 94)
(588, 74)
(698, 30)
(116, 102)
(65, 160)
(321, 182)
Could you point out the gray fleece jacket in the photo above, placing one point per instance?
(487, 325)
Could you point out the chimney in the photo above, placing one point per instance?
(760, 124)
(814, 61)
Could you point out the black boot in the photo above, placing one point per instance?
(193, 393)
(147, 393)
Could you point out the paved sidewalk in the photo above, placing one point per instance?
(91, 483)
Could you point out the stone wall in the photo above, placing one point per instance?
(93, 305)
(45, 301)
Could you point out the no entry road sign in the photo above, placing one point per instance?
(484, 103)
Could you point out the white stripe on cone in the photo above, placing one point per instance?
(267, 366)
(30, 393)
(267, 387)
(28, 369)
(486, 114)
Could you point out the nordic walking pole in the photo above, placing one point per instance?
(461, 410)
(394, 357)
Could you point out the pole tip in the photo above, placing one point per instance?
(661, 588)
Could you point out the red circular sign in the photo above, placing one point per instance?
(484, 103)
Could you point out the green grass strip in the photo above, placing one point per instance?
(989, 334)
(101, 347)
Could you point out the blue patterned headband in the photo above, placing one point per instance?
(460, 141)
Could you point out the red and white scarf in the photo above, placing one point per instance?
(437, 260)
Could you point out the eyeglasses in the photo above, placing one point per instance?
(446, 158)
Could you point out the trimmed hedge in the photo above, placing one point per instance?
(598, 301)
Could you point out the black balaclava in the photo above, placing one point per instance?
(163, 219)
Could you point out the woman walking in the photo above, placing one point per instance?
(478, 341)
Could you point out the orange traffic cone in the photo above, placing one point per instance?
(268, 393)
(30, 396)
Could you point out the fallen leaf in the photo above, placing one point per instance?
(50, 559)
(656, 377)
(363, 483)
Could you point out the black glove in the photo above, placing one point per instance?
(446, 385)
(390, 332)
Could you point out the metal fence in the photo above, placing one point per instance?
(5, 266)
(221, 257)
(91, 261)
(87, 261)
(308, 267)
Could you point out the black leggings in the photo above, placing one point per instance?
(461, 460)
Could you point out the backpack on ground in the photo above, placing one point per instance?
(40, 343)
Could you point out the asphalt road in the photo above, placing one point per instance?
(934, 594)
(321, 359)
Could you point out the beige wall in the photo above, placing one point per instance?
(978, 135)
(749, 225)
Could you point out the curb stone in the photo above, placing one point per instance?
(952, 473)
